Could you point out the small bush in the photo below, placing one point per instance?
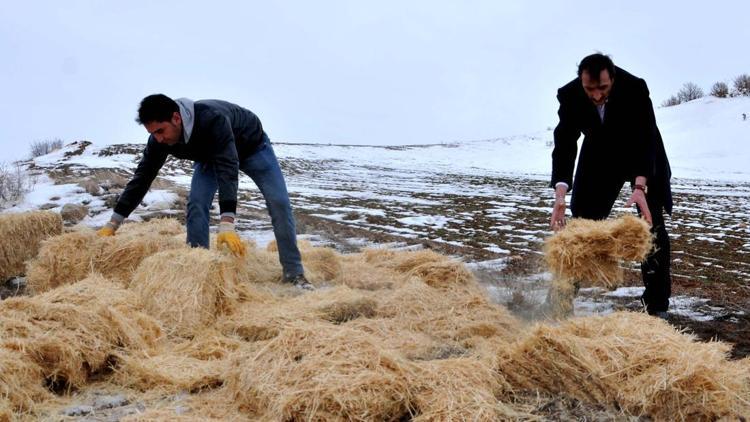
(720, 90)
(671, 101)
(14, 183)
(40, 148)
(689, 92)
(742, 85)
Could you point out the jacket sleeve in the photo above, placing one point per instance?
(226, 163)
(645, 134)
(566, 136)
(153, 159)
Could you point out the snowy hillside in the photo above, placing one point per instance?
(706, 139)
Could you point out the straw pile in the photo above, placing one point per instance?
(64, 336)
(72, 256)
(320, 372)
(590, 251)
(186, 289)
(21, 236)
(632, 362)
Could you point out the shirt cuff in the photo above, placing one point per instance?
(558, 184)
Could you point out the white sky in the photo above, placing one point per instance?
(363, 72)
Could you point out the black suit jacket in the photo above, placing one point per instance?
(625, 145)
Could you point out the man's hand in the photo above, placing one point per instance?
(558, 215)
(638, 197)
(108, 230)
(229, 238)
(557, 221)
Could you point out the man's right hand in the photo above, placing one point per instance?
(558, 215)
(557, 221)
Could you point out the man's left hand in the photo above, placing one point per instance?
(638, 197)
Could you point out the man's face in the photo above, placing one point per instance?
(167, 133)
(597, 89)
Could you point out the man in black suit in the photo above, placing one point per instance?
(621, 144)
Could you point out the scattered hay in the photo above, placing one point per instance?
(561, 298)
(460, 389)
(590, 251)
(320, 372)
(190, 365)
(72, 256)
(168, 372)
(21, 236)
(186, 289)
(458, 314)
(261, 321)
(21, 382)
(69, 341)
(633, 362)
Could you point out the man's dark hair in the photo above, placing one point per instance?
(156, 108)
(594, 64)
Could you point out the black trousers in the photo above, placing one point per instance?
(595, 200)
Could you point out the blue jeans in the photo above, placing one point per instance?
(263, 167)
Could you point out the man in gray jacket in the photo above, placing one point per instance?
(221, 138)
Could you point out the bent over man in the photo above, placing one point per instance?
(221, 138)
(621, 144)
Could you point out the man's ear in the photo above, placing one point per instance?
(176, 118)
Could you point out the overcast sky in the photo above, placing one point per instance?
(361, 72)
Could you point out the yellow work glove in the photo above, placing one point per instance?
(228, 237)
(106, 231)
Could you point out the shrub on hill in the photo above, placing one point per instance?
(720, 90)
(44, 147)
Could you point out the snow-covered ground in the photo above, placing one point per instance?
(488, 194)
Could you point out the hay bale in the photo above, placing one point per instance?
(634, 362)
(460, 389)
(431, 267)
(72, 256)
(69, 340)
(590, 251)
(320, 372)
(186, 289)
(21, 235)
